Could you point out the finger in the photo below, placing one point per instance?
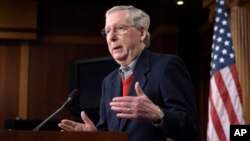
(69, 122)
(138, 89)
(123, 99)
(120, 103)
(119, 109)
(85, 118)
(66, 126)
(125, 115)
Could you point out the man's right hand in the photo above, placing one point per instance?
(69, 125)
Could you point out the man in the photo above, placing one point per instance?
(150, 96)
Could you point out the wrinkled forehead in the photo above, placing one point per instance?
(117, 17)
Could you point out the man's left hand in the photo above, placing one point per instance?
(138, 107)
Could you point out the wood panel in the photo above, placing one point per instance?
(18, 19)
(9, 81)
(63, 136)
(23, 82)
(49, 75)
(241, 39)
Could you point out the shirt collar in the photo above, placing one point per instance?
(125, 72)
(131, 66)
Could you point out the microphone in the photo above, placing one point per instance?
(73, 95)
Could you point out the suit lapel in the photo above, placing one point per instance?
(116, 86)
(115, 91)
(141, 69)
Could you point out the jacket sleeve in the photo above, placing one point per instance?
(180, 121)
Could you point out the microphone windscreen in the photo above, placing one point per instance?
(73, 96)
(74, 93)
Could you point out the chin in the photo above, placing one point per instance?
(118, 59)
(118, 56)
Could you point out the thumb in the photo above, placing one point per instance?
(85, 118)
(138, 89)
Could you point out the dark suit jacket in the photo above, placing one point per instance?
(166, 81)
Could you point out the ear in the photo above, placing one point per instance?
(143, 32)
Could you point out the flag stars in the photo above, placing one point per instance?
(224, 22)
(225, 14)
(222, 31)
(215, 28)
(215, 57)
(226, 43)
(219, 10)
(222, 60)
(224, 51)
(217, 19)
(219, 39)
(217, 48)
(213, 65)
(231, 55)
(221, 2)
(214, 37)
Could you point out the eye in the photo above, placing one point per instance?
(120, 28)
(107, 30)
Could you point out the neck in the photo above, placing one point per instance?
(125, 63)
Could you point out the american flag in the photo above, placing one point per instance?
(225, 99)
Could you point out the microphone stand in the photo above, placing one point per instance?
(53, 114)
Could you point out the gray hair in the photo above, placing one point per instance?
(137, 17)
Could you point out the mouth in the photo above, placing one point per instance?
(117, 48)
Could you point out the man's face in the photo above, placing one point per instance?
(125, 42)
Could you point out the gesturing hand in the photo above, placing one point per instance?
(69, 125)
(138, 107)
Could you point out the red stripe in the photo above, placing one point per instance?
(225, 98)
(236, 80)
(216, 120)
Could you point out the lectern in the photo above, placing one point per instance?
(62, 136)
